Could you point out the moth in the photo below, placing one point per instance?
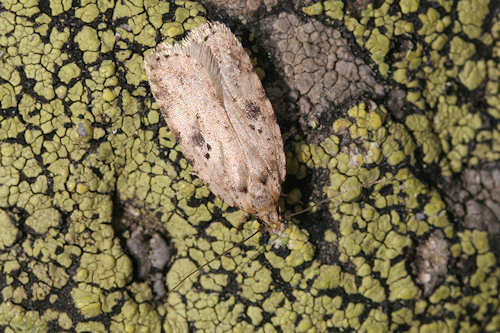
(214, 103)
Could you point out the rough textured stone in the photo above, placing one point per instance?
(316, 67)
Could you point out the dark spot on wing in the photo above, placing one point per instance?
(252, 110)
(243, 188)
(197, 139)
(177, 136)
(263, 178)
(209, 147)
(207, 156)
(252, 127)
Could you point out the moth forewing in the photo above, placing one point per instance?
(214, 103)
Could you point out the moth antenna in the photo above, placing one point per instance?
(328, 199)
(308, 208)
(255, 233)
(213, 259)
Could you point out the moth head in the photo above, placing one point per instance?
(272, 220)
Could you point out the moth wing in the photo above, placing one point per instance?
(251, 116)
(191, 104)
(216, 107)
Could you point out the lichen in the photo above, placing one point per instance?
(81, 140)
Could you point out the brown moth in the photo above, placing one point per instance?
(214, 103)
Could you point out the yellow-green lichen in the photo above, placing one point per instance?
(429, 76)
(334, 9)
(471, 14)
(378, 45)
(409, 6)
(80, 138)
(20, 320)
(314, 9)
(473, 74)
(9, 230)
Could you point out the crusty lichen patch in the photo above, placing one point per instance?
(80, 139)
(317, 67)
(376, 235)
(438, 68)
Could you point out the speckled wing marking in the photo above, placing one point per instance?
(215, 104)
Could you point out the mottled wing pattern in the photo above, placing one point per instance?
(214, 103)
(188, 101)
(252, 117)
